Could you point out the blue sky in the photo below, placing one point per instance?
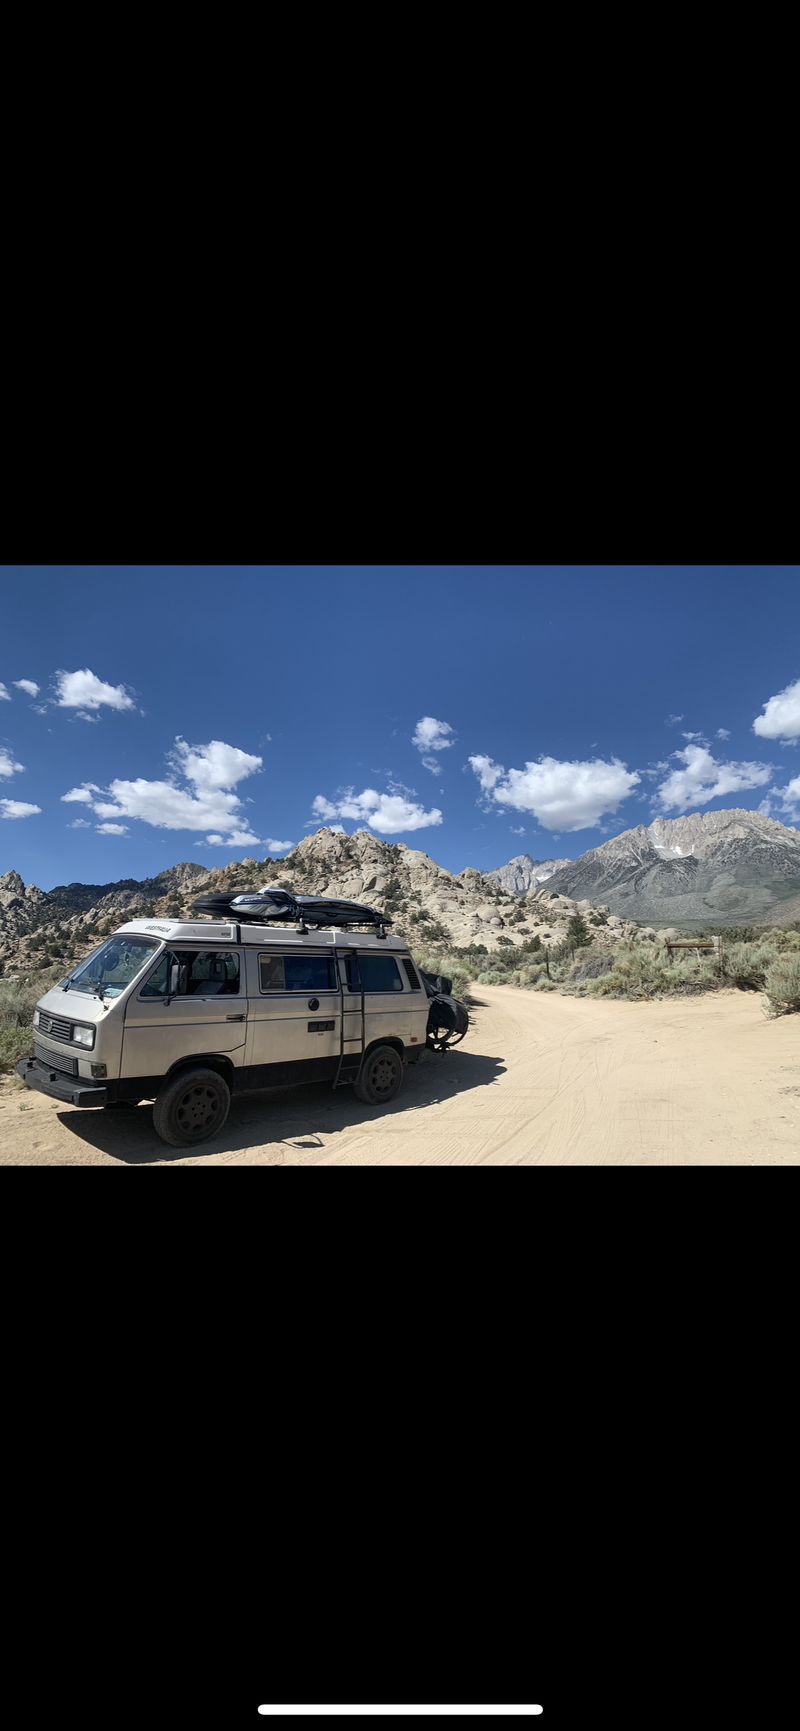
(474, 713)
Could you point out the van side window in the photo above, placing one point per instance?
(156, 986)
(380, 974)
(411, 974)
(300, 973)
(204, 974)
(213, 973)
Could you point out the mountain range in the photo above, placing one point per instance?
(713, 868)
(708, 869)
(434, 908)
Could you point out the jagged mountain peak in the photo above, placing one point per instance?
(522, 873)
(703, 868)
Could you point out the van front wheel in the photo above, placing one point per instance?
(380, 1077)
(193, 1106)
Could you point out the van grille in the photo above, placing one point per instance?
(58, 1027)
(55, 1060)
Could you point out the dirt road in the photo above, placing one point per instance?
(540, 1079)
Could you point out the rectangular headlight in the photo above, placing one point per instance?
(36, 1016)
(83, 1036)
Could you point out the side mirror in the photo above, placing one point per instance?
(175, 979)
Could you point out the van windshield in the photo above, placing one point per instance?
(113, 966)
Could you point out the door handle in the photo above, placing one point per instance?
(235, 1018)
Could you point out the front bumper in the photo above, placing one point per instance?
(73, 1089)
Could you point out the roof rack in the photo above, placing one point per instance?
(280, 905)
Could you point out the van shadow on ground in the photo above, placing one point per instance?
(297, 1119)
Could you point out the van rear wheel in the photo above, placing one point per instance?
(380, 1077)
(192, 1107)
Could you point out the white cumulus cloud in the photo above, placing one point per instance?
(4, 693)
(488, 773)
(783, 802)
(83, 690)
(18, 808)
(386, 813)
(432, 735)
(245, 838)
(28, 685)
(213, 766)
(8, 765)
(79, 823)
(83, 795)
(781, 717)
(111, 828)
(205, 801)
(702, 778)
(562, 796)
(723, 733)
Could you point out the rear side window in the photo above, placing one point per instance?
(411, 974)
(380, 974)
(297, 974)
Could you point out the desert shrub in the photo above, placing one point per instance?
(644, 970)
(745, 964)
(592, 966)
(507, 943)
(782, 985)
(18, 999)
(15, 1043)
(529, 974)
(543, 984)
(578, 932)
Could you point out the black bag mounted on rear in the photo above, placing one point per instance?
(435, 984)
(448, 1020)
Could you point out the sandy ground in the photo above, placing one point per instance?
(540, 1079)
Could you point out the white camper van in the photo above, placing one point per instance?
(184, 1012)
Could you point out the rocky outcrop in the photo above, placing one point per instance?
(522, 873)
(434, 908)
(428, 904)
(21, 908)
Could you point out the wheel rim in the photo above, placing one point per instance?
(198, 1110)
(383, 1075)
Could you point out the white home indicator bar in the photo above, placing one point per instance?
(485, 1712)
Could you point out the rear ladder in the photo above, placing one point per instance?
(349, 1064)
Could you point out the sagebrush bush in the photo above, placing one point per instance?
(18, 1000)
(745, 965)
(15, 1043)
(591, 966)
(782, 985)
(644, 970)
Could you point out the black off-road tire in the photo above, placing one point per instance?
(192, 1107)
(381, 1076)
